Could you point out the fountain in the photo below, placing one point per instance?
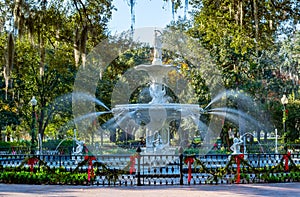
(166, 121)
(159, 112)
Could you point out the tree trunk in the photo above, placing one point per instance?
(76, 47)
(40, 123)
(9, 62)
(256, 25)
(42, 55)
(83, 40)
(241, 13)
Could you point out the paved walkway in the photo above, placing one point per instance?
(244, 190)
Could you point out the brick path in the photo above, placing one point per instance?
(244, 190)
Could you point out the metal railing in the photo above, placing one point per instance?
(150, 169)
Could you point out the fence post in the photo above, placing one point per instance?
(138, 151)
(181, 168)
(259, 167)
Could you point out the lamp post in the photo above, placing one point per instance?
(276, 142)
(284, 101)
(33, 103)
(138, 151)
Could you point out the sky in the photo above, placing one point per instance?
(148, 13)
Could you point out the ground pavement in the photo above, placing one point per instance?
(234, 190)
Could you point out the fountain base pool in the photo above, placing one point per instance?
(155, 119)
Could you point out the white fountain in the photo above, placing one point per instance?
(160, 111)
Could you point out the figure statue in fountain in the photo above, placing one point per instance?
(79, 148)
(158, 94)
(236, 146)
(157, 142)
(157, 57)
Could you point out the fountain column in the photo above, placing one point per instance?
(157, 113)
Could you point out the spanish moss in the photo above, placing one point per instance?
(131, 3)
(186, 7)
(173, 9)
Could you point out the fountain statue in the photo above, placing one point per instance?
(236, 146)
(79, 148)
(157, 58)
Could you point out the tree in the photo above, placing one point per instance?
(239, 31)
(242, 37)
(40, 49)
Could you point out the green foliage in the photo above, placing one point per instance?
(24, 176)
(293, 121)
(44, 64)
(9, 147)
(241, 37)
(281, 177)
(64, 144)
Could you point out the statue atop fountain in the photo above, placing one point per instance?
(157, 72)
(157, 57)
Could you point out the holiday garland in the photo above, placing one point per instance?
(286, 164)
(76, 176)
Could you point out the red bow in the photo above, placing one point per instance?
(31, 162)
(189, 161)
(286, 161)
(90, 159)
(238, 159)
(132, 164)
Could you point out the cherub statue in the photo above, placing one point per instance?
(236, 145)
(79, 147)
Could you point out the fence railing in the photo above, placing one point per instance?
(250, 148)
(150, 169)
